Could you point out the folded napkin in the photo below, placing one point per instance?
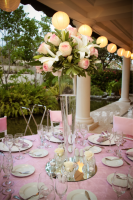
(25, 145)
(130, 153)
(7, 197)
(58, 136)
(103, 137)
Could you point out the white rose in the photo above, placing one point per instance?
(84, 63)
(46, 37)
(59, 151)
(69, 166)
(88, 155)
(65, 48)
(55, 40)
(72, 31)
(42, 48)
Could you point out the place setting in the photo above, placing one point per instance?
(23, 170)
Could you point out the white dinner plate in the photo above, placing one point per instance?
(80, 195)
(23, 168)
(130, 157)
(119, 182)
(53, 139)
(38, 153)
(94, 138)
(28, 190)
(3, 147)
(112, 163)
(93, 149)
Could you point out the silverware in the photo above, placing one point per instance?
(87, 195)
(27, 172)
(35, 154)
(111, 159)
(19, 198)
(121, 158)
(121, 177)
(127, 149)
(29, 139)
(25, 152)
(96, 145)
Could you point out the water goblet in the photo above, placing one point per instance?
(83, 131)
(61, 185)
(48, 135)
(39, 133)
(8, 141)
(120, 183)
(19, 141)
(110, 135)
(118, 138)
(7, 168)
(46, 186)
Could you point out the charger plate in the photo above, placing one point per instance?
(3, 147)
(94, 138)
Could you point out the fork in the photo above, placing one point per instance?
(16, 197)
(27, 172)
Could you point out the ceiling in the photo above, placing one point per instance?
(111, 18)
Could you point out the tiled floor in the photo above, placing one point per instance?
(105, 114)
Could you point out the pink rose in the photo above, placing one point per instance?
(65, 48)
(89, 39)
(46, 67)
(42, 48)
(54, 40)
(93, 51)
(84, 63)
(46, 37)
(72, 31)
(38, 70)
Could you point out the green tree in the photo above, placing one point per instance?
(21, 35)
(107, 57)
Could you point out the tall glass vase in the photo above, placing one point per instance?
(67, 88)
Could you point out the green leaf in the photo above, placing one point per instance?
(67, 36)
(35, 63)
(38, 56)
(68, 71)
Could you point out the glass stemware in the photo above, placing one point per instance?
(19, 141)
(83, 131)
(61, 185)
(47, 135)
(110, 135)
(118, 138)
(39, 133)
(120, 183)
(7, 168)
(130, 180)
(46, 186)
(8, 141)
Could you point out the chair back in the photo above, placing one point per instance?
(3, 125)
(55, 116)
(123, 124)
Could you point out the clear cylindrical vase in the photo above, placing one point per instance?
(67, 88)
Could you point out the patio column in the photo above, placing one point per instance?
(125, 80)
(83, 102)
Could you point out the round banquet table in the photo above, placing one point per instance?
(97, 184)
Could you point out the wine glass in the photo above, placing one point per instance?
(118, 138)
(83, 131)
(120, 183)
(130, 180)
(1, 162)
(46, 186)
(61, 185)
(77, 131)
(7, 168)
(110, 135)
(19, 141)
(8, 141)
(47, 135)
(39, 133)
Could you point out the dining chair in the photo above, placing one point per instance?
(56, 117)
(3, 125)
(123, 124)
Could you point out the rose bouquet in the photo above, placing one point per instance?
(68, 51)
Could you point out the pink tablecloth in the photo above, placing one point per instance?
(97, 184)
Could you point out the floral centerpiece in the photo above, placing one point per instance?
(89, 161)
(69, 168)
(67, 50)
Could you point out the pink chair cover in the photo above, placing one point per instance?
(123, 124)
(56, 116)
(3, 124)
